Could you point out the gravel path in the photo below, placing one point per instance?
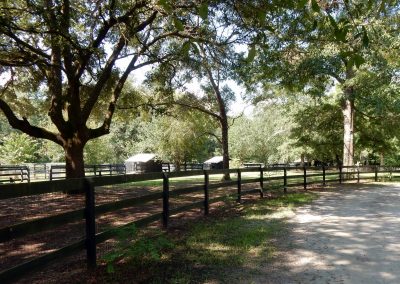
(351, 235)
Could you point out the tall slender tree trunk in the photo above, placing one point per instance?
(225, 145)
(348, 133)
(348, 122)
(223, 120)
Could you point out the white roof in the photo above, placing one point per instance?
(214, 160)
(299, 161)
(142, 157)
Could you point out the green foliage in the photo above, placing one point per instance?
(177, 136)
(101, 151)
(68, 59)
(18, 148)
(318, 131)
(178, 139)
(339, 50)
(203, 11)
(251, 54)
(306, 46)
(263, 137)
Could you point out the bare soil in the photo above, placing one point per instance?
(69, 270)
(351, 234)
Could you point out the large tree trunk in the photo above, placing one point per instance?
(302, 158)
(348, 133)
(74, 163)
(177, 164)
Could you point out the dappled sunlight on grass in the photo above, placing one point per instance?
(278, 208)
(242, 241)
(221, 250)
(230, 242)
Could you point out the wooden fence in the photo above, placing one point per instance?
(28, 172)
(58, 171)
(168, 167)
(10, 174)
(267, 178)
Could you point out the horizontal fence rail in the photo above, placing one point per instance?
(28, 172)
(268, 178)
(59, 171)
(11, 174)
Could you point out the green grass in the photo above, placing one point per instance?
(222, 249)
(189, 180)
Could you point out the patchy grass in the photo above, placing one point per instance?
(220, 249)
(198, 179)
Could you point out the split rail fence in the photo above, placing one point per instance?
(265, 178)
(14, 173)
(30, 172)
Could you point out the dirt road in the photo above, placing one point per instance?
(348, 236)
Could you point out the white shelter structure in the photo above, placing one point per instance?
(214, 163)
(143, 162)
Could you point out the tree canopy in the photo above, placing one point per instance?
(66, 67)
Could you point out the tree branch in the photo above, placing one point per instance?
(101, 82)
(103, 33)
(198, 108)
(26, 127)
(87, 109)
(213, 135)
(23, 43)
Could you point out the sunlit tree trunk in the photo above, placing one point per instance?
(348, 123)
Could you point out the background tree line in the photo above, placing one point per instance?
(324, 76)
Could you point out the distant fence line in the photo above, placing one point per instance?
(59, 171)
(169, 167)
(52, 171)
(29, 172)
(276, 178)
(14, 173)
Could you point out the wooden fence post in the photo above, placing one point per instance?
(90, 218)
(239, 186)
(206, 195)
(358, 174)
(305, 178)
(340, 174)
(261, 182)
(376, 173)
(165, 213)
(284, 180)
(323, 176)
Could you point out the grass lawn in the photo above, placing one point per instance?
(225, 247)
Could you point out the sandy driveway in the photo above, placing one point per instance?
(349, 236)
